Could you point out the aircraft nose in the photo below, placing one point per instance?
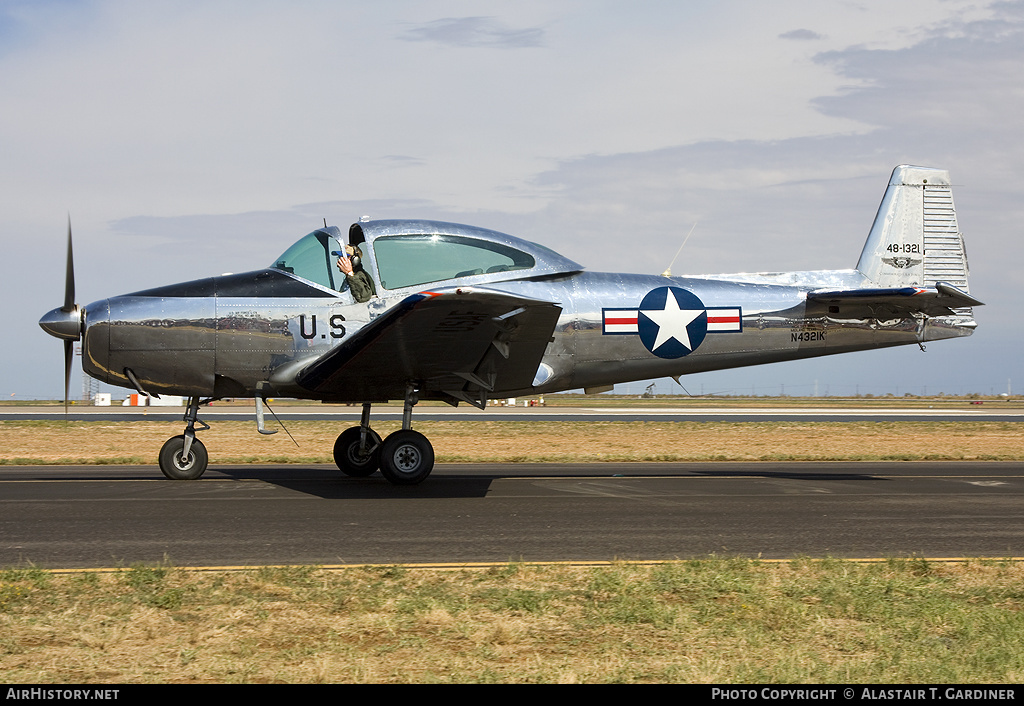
(63, 323)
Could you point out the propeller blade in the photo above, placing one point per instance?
(66, 321)
(69, 276)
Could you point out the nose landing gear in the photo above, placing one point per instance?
(184, 457)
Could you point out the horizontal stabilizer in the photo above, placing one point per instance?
(940, 300)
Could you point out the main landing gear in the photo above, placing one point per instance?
(184, 457)
(405, 457)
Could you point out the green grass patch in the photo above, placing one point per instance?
(712, 620)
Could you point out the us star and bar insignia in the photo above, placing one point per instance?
(671, 322)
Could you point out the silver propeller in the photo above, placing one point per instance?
(66, 322)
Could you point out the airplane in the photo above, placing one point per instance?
(465, 314)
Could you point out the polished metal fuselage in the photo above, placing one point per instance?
(194, 340)
(275, 331)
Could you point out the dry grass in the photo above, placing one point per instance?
(472, 441)
(715, 620)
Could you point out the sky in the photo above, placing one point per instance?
(187, 139)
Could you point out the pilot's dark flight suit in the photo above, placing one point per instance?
(361, 284)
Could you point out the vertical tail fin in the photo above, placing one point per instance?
(915, 240)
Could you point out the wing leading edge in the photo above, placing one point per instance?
(458, 344)
(940, 300)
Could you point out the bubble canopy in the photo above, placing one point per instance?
(408, 254)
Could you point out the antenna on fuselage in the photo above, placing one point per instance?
(676, 378)
(668, 270)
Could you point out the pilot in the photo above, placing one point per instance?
(359, 281)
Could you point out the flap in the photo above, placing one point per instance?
(456, 344)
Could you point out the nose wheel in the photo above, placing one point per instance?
(178, 466)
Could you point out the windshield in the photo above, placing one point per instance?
(408, 260)
(311, 258)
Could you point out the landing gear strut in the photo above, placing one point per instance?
(405, 457)
(184, 457)
(357, 450)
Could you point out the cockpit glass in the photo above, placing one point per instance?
(311, 258)
(409, 260)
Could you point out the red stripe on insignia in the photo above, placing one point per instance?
(723, 319)
(621, 322)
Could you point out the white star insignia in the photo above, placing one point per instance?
(672, 322)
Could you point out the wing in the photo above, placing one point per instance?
(940, 300)
(457, 344)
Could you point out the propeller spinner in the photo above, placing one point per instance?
(65, 322)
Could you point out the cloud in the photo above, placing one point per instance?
(607, 150)
(475, 32)
(801, 34)
(402, 160)
(951, 100)
(962, 77)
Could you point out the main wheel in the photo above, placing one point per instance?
(348, 458)
(177, 468)
(406, 457)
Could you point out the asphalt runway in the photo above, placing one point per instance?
(109, 516)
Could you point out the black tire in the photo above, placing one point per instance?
(172, 464)
(406, 457)
(348, 458)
